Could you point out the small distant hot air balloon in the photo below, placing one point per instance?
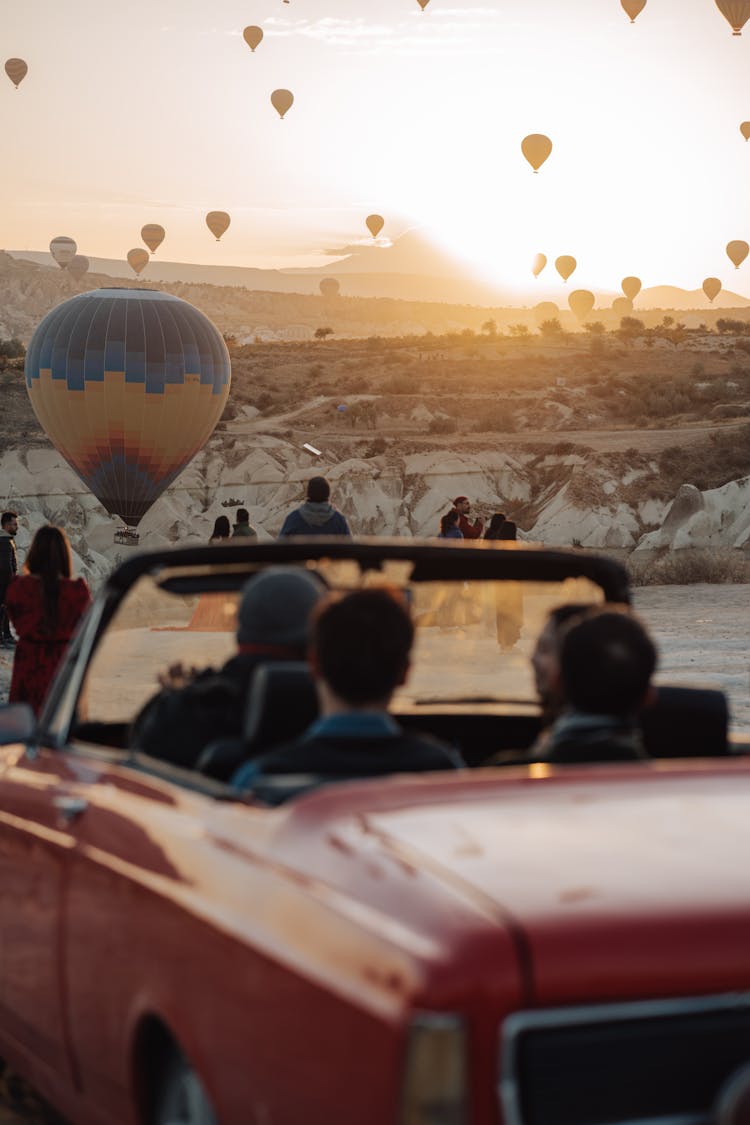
(374, 224)
(735, 12)
(78, 267)
(329, 287)
(540, 261)
(282, 101)
(622, 306)
(631, 287)
(565, 266)
(16, 69)
(218, 223)
(423, 4)
(253, 36)
(737, 251)
(63, 250)
(153, 235)
(581, 302)
(138, 259)
(745, 130)
(633, 8)
(342, 408)
(712, 288)
(127, 426)
(546, 310)
(536, 148)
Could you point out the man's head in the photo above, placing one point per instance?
(462, 505)
(545, 657)
(318, 490)
(9, 522)
(607, 660)
(243, 516)
(359, 648)
(275, 609)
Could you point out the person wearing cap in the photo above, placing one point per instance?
(469, 530)
(317, 516)
(193, 710)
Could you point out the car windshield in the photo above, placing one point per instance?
(474, 638)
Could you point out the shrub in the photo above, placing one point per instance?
(443, 426)
(687, 567)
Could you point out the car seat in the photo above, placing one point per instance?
(686, 722)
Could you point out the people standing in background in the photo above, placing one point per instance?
(500, 527)
(8, 570)
(449, 528)
(316, 516)
(243, 529)
(468, 530)
(45, 605)
(221, 531)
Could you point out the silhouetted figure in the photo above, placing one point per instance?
(359, 654)
(243, 529)
(222, 530)
(317, 516)
(45, 605)
(449, 528)
(500, 527)
(8, 570)
(545, 660)
(468, 530)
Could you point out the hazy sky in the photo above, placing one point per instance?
(156, 111)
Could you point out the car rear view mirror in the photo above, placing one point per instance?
(17, 724)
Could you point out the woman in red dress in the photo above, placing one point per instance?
(45, 605)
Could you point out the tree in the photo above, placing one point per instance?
(490, 327)
(595, 328)
(323, 333)
(631, 326)
(551, 327)
(521, 330)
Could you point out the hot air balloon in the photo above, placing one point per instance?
(329, 287)
(536, 148)
(138, 259)
(735, 12)
(423, 4)
(565, 266)
(153, 235)
(622, 306)
(712, 288)
(374, 224)
(631, 287)
(78, 267)
(737, 251)
(63, 250)
(128, 384)
(540, 261)
(217, 222)
(282, 101)
(16, 69)
(745, 130)
(252, 36)
(581, 302)
(546, 310)
(633, 8)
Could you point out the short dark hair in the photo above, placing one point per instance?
(318, 490)
(607, 660)
(243, 516)
(362, 643)
(6, 517)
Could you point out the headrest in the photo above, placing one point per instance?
(281, 705)
(686, 722)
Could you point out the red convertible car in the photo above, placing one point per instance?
(525, 945)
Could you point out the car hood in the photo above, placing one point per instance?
(619, 881)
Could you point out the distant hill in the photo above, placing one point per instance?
(670, 297)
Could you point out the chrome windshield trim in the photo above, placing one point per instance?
(509, 1093)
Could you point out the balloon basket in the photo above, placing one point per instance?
(127, 537)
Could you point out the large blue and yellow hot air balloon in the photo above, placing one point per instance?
(128, 384)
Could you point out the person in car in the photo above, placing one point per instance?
(359, 655)
(317, 516)
(545, 660)
(606, 661)
(195, 709)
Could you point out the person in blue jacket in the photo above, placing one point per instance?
(317, 516)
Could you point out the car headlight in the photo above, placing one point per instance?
(435, 1080)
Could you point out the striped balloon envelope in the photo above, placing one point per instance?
(128, 384)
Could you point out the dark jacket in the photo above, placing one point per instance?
(582, 738)
(244, 531)
(176, 724)
(8, 560)
(348, 757)
(313, 518)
